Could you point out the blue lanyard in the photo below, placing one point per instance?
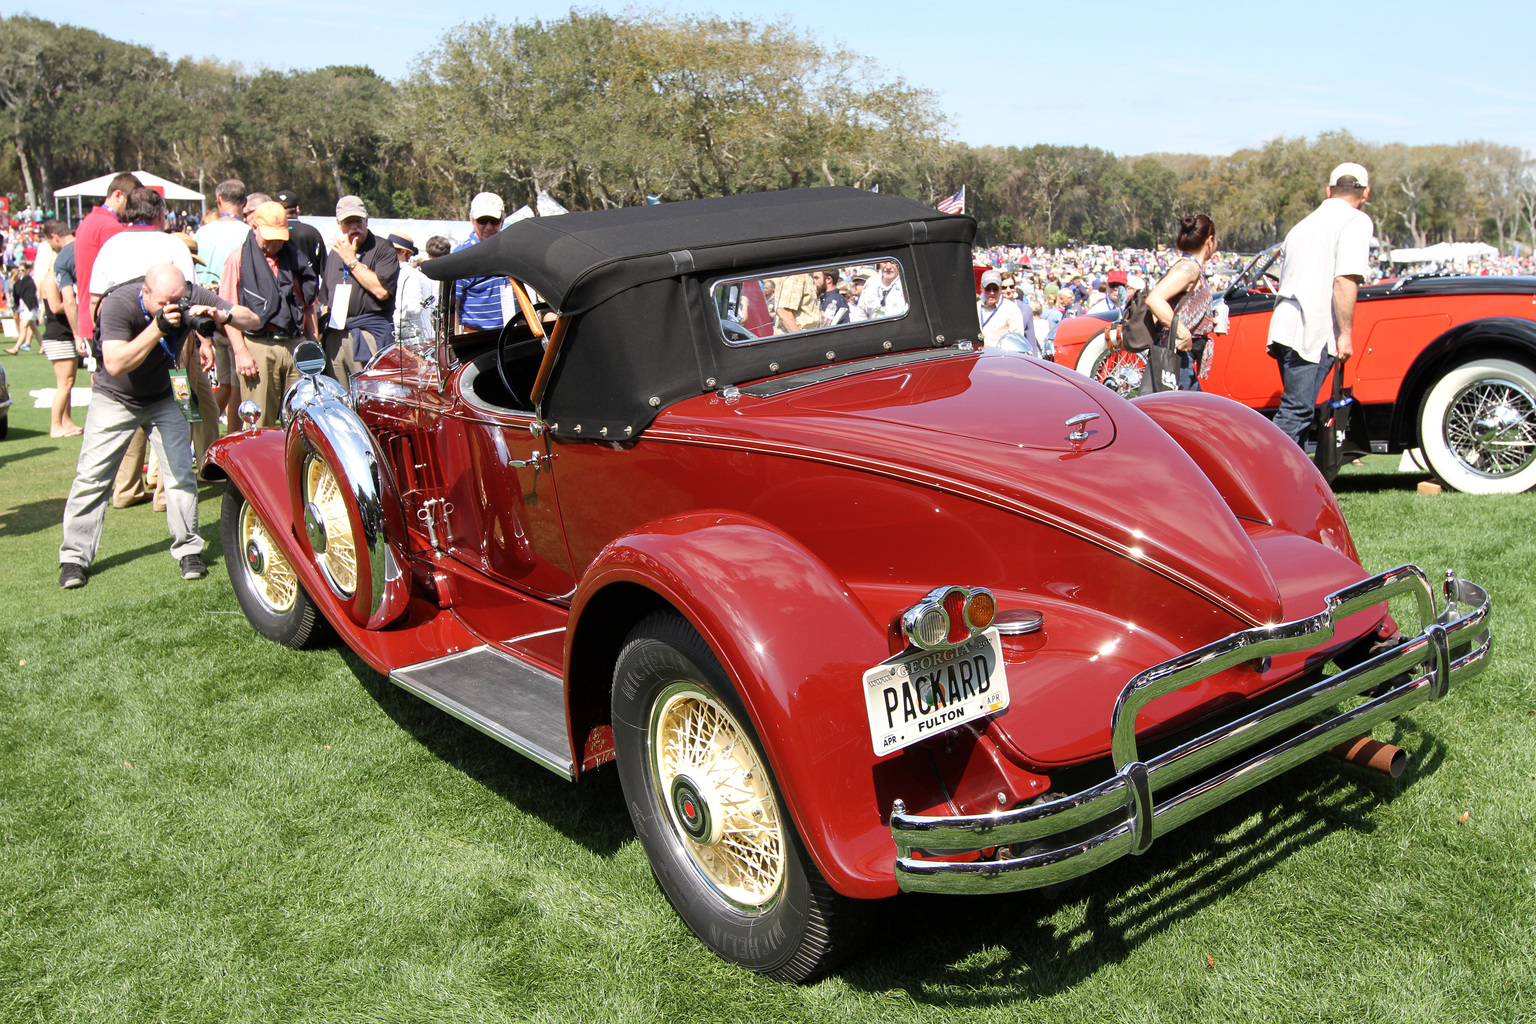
(162, 337)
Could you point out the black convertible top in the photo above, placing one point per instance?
(636, 282)
(578, 260)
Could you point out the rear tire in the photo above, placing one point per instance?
(269, 592)
(1477, 427)
(707, 810)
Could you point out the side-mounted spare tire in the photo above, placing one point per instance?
(708, 812)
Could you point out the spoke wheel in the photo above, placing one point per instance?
(266, 569)
(718, 796)
(334, 544)
(708, 812)
(1478, 427)
(1115, 368)
(265, 584)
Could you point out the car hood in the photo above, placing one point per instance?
(991, 427)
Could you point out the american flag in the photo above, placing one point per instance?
(955, 203)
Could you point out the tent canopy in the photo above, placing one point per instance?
(97, 187)
(1444, 251)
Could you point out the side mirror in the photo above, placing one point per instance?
(309, 358)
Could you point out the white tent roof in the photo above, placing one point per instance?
(1444, 251)
(98, 187)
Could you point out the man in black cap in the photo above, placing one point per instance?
(304, 236)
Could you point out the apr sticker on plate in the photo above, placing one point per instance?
(914, 696)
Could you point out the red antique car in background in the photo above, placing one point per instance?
(856, 610)
(1443, 364)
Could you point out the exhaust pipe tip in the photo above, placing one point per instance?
(1373, 754)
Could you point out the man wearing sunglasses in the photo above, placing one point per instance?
(479, 298)
(997, 317)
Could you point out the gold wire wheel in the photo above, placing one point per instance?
(266, 567)
(339, 559)
(718, 796)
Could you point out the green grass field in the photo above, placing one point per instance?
(199, 825)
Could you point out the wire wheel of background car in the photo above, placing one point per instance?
(329, 526)
(708, 813)
(1116, 369)
(1477, 427)
(265, 584)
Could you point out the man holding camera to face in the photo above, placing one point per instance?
(145, 333)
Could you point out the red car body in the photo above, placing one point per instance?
(1446, 365)
(1176, 561)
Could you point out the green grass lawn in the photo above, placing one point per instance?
(199, 825)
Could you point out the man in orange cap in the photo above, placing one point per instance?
(269, 274)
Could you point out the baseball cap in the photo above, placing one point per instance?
(1135, 282)
(350, 206)
(991, 277)
(487, 204)
(288, 197)
(1360, 174)
(1117, 277)
(270, 221)
(864, 273)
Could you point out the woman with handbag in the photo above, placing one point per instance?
(1185, 284)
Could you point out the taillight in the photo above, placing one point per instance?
(948, 616)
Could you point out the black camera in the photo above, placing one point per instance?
(204, 325)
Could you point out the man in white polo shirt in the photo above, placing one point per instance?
(1327, 258)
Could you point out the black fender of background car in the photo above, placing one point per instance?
(1493, 337)
(1261, 473)
(794, 640)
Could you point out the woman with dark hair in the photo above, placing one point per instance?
(1185, 282)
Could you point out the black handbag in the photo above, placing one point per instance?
(1162, 369)
(1330, 427)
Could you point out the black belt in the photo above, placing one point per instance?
(270, 337)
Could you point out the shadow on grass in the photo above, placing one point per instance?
(8, 454)
(591, 812)
(943, 958)
(33, 517)
(1377, 483)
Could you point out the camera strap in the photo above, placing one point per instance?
(178, 336)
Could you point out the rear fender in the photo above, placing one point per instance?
(1261, 473)
(795, 640)
(1500, 337)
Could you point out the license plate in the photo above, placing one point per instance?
(914, 696)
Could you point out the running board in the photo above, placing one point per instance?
(508, 699)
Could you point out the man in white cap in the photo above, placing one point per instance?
(359, 284)
(479, 298)
(997, 317)
(1327, 257)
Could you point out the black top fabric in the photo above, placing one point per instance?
(636, 282)
(577, 260)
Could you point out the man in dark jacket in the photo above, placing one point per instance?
(271, 276)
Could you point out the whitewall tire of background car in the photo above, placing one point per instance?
(708, 812)
(1116, 369)
(1477, 426)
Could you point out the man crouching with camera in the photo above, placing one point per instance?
(148, 336)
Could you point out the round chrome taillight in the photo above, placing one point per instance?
(932, 627)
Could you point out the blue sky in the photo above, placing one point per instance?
(1196, 77)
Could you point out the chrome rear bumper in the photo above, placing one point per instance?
(1128, 799)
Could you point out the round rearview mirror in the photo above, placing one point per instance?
(309, 358)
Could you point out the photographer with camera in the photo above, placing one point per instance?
(148, 336)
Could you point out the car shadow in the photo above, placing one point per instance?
(1377, 483)
(1035, 945)
(591, 812)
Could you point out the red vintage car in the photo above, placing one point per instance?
(855, 609)
(1446, 365)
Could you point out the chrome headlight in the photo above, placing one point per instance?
(948, 617)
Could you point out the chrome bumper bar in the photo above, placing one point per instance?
(1128, 799)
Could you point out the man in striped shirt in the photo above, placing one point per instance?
(479, 298)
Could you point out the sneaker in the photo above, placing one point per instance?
(71, 575)
(192, 567)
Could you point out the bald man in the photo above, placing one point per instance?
(145, 336)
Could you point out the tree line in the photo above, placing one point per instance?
(606, 110)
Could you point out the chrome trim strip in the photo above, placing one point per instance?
(1127, 801)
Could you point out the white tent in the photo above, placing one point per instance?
(1443, 252)
(97, 188)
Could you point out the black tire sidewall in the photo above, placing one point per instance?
(296, 627)
(762, 940)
